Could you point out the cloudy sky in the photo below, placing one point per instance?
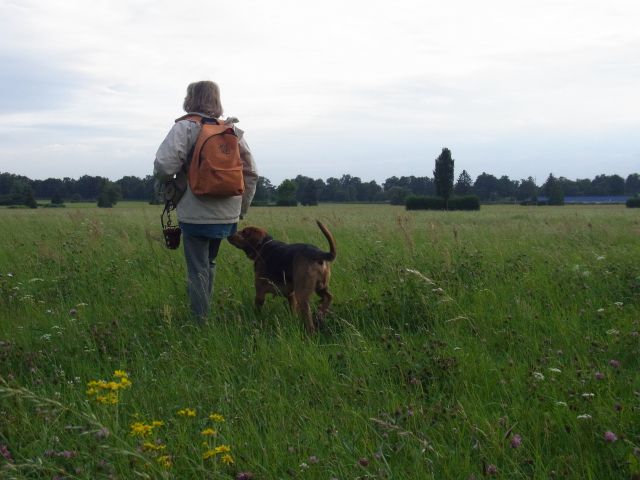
(324, 88)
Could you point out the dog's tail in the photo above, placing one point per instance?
(331, 255)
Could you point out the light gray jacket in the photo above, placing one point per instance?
(169, 162)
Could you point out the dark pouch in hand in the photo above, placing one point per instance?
(170, 231)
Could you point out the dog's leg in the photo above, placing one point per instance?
(293, 304)
(261, 293)
(304, 309)
(325, 302)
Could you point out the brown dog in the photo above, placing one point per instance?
(292, 270)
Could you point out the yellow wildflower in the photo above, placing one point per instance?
(153, 446)
(209, 432)
(222, 449)
(187, 412)
(208, 454)
(216, 417)
(110, 398)
(125, 382)
(157, 423)
(140, 429)
(165, 461)
(227, 459)
(120, 374)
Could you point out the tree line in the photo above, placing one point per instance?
(17, 189)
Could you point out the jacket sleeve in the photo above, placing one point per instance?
(173, 151)
(250, 174)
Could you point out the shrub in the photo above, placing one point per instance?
(420, 202)
(287, 202)
(468, 202)
(633, 202)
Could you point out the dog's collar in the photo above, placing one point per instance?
(266, 240)
(256, 252)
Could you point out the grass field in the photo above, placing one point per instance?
(502, 343)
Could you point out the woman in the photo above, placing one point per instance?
(204, 221)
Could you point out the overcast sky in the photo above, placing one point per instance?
(369, 88)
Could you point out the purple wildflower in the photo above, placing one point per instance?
(364, 461)
(4, 451)
(614, 363)
(244, 476)
(313, 459)
(67, 454)
(599, 376)
(491, 469)
(516, 441)
(610, 437)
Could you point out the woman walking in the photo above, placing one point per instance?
(205, 220)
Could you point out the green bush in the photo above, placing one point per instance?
(633, 202)
(468, 202)
(421, 202)
(287, 202)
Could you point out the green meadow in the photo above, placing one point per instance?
(502, 343)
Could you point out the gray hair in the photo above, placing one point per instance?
(203, 97)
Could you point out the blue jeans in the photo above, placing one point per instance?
(200, 254)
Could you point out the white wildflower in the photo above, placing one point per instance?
(561, 404)
(588, 395)
(584, 416)
(538, 376)
(618, 304)
(555, 370)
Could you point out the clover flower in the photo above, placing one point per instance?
(6, 454)
(491, 469)
(516, 441)
(610, 437)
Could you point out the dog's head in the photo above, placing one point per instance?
(249, 240)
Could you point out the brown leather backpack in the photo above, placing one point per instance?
(215, 168)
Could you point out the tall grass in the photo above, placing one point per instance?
(460, 344)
